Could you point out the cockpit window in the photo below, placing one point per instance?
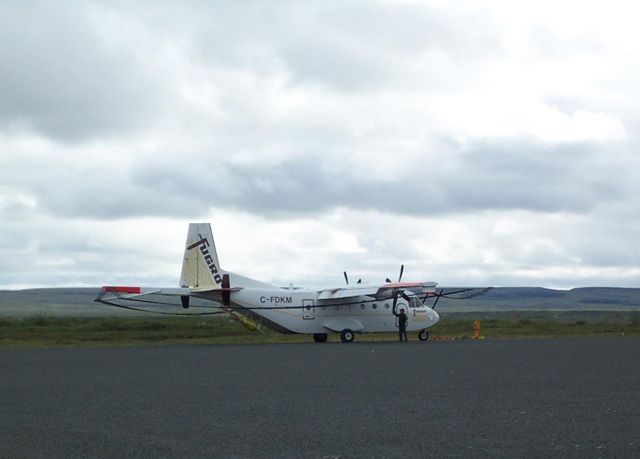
(415, 302)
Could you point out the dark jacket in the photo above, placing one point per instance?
(402, 319)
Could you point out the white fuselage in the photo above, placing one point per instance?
(360, 307)
(300, 311)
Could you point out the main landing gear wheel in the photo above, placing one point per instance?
(423, 335)
(320, 337)
(347, 336)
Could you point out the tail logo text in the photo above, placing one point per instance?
(208, 259)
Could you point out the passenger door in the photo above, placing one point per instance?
(308, 310)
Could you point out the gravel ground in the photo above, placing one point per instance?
(572, 397)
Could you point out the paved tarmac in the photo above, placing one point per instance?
(499, 398)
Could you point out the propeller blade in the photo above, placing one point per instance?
(428, 295)
(388, 280)
(478, 293)
(359, 281)
(455, 292)
(436, 302)
(405, 296)
(346, 278)
(395, 299)
(401, 271)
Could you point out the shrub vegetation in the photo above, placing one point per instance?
(42, 330)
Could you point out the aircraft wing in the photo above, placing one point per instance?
(407, 286)
(378, 291)
(455, 293)
(460, 293)
(347, 292)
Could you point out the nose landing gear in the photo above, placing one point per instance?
(423, 335)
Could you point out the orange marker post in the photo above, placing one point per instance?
(476, 329)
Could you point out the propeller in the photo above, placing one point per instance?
(437, 299)
(346, 279)
(397, 291)
(395, 294)
(399, 277)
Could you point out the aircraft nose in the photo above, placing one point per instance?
(434, 316)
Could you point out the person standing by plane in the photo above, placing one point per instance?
(402, 324)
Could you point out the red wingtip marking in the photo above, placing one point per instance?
(403, 284)
(119, 289)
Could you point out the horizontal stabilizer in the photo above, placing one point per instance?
(126, 296)
(119, 289)
(132, 292)
(212, 290)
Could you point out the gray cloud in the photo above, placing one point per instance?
(348, 47)
(286, 110)
(495, 176)
(61, 78)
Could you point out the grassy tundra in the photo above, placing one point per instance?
(43, 330)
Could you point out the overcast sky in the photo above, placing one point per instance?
(479, 143)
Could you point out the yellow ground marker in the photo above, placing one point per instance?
(476, 330)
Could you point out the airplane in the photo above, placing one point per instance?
(346, 310)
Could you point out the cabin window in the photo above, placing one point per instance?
(375, 306)
(386, 305)
(362, 306)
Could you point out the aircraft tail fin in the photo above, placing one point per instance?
(200, 265)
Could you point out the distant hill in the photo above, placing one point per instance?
(538, 298)
(79, 301)
(68, 302)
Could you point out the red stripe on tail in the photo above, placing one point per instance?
(119, 289)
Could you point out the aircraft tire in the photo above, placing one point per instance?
(423, 335)
(347, 336)
(320, 337)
